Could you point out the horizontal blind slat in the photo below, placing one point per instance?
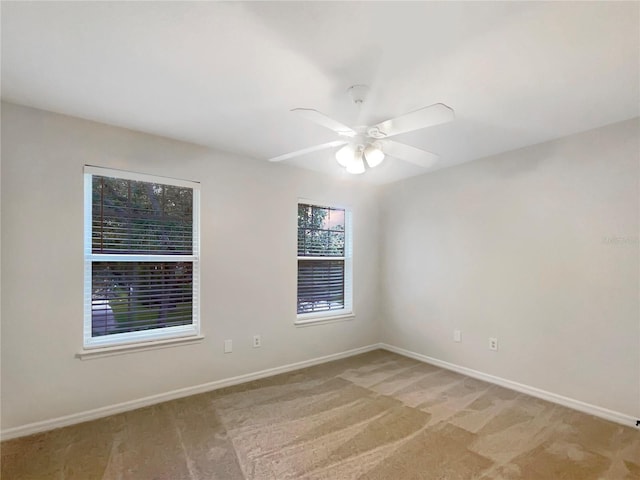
(320, 285)
(133, 296)
(141, 217)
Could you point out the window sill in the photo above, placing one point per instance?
(88, 354)
(307, 322)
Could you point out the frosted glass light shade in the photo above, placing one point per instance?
(356, 165)
(345, 155)
(374, 155)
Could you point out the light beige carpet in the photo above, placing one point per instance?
(374, 416)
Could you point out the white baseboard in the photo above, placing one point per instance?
(584, 407)
(101, 412)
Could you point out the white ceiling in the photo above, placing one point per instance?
(226, 74)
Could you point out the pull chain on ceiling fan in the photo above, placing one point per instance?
(372, 144)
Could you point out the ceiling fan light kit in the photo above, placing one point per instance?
(345, 154)
(371, 143)
(373, 154)
(356, 165)
(351, 157)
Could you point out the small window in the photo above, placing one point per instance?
(324, 262)
(141, 258)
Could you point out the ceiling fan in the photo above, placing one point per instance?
(371, 144)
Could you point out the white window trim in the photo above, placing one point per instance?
(346, 313)
(322, 320)
(130, 340)
(90, 354)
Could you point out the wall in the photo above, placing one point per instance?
(537, 247)
(248, 266)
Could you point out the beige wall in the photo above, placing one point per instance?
(248, 266)
(537, 247)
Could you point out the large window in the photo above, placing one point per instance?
(324, 262)
(141, 258)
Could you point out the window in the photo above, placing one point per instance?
(141, 258)
(324, 262)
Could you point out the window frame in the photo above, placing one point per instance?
(347, 311)
(141, 336)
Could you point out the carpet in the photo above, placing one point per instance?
(376, 416)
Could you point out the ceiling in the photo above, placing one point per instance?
(226, 74)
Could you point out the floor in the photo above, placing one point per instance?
(374, 416)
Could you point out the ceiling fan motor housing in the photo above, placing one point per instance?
(375, 132)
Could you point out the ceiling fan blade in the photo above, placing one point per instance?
(327, 122)
(304, 151)
(414, 155)
(421, 118)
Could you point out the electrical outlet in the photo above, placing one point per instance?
(228, 346)
(257, 341)
(493, 344)
(457, 336)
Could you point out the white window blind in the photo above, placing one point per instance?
(324, 261)
(141, 257)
